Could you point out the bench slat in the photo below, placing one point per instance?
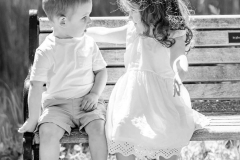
(217, 107)
(195, 73)
(214, 133)
(218, 91)
(195, 56)
(232, 123)
(224, 118)
(201, 91)
(213, 38)
(214, 55)
(222, 129)
(196, 22)
(201, 39)
(214, 21)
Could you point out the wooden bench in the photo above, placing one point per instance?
(213, 80)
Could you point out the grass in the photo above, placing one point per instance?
(10, 117)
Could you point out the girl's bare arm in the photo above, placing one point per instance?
(178, 59)
(108, 35)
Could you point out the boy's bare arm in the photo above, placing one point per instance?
(34, 106)
(90, 100)
(100, 81)
(34, 99)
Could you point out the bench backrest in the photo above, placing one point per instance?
(213, 80)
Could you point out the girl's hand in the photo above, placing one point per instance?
(177, 85)
(89, 102)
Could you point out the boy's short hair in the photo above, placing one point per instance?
(59, 7)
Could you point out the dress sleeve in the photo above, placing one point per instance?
(131, 27)
(98, 61)
(177, 33)
(131, 31)
(40, 67)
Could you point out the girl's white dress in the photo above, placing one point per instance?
(143, 117)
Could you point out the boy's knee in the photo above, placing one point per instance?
(96, 128)
(48, 132)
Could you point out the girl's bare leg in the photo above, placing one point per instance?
(171, 158)
(121, 157)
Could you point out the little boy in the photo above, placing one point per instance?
(71, 65)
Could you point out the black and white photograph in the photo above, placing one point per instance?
(120, 80)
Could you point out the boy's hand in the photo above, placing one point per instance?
(177, 85)
(28, 126)
(89, 102)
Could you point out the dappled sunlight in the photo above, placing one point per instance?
(211, 150)
(145, 129)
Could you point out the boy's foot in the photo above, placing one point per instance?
(28, 126)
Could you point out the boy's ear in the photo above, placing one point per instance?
(62, 21)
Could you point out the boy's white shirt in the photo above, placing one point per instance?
(66, 65)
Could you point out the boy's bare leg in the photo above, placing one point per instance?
(119, 156)
(50, 135)
(97, 139)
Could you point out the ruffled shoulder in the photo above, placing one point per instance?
(177, 33)
(131, 27)
(131, 31)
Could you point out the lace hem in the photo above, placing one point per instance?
(141, 153)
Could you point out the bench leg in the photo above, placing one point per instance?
(27, 146)
(36, 151)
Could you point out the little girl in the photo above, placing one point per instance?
(149, 112)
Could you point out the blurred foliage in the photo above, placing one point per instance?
(13, 70)
(200, 7)
(14, 61)
(10, 116)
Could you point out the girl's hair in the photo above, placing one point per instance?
(163, 16)
(60, 7)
